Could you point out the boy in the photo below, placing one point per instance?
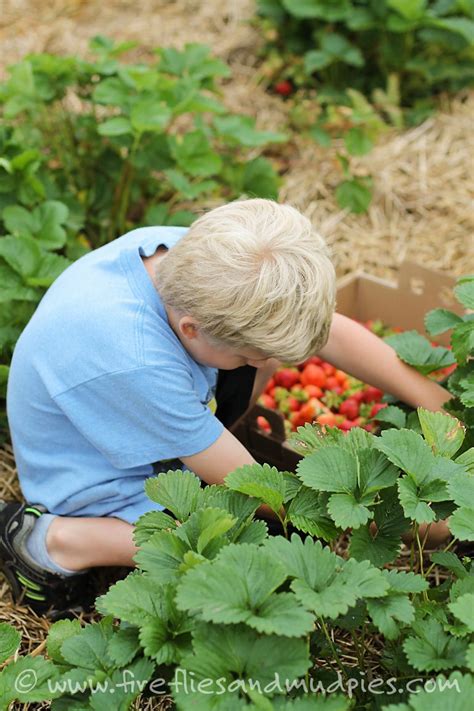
(116, 368)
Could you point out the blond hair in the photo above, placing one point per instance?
(254, 274)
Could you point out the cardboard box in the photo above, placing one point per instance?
(359, 296)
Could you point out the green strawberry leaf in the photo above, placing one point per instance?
(402, 582)
(22, 253)
(461, 523)
(255, 532)
(461, 489)
(408, 451)
(451, 562)
(310, 438)
(58, 633)
(10, 640)
(357, 142)
(239, 586)
(150, 115)
(440, 694)
(417, 351)
(259, 178)
(241, 130)
(354, 195)
(151, 522)
(308, 513)
(444, 434)
(51, 215)
(166, 636)
(392, 415)
(19, 222)
(88, 647)
(329, 469)
(124, 694)
(117, 126)
(238, 505)
(194, 154)
(382, 545)
(441, 320)
(227, 652)
(462, 342)
(36, 669)
(204, 530)
(347, 512)
(262, 481)
(415, 499)
(387, 611)
(464, 291)
(124, 646)
(466, 460)
(431, 649)
(470, 658)
(376, 471)
(162, 556)
(463, 609)
(323, 582)
(178, 491)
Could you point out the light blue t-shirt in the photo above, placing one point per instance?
(100, 386)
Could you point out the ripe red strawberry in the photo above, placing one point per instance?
(332, 383)
(267, 401)
(297, 420)
(327, 418)
(284, 87)
(263, 424)
(270, 385)
(328, 368)
(349, 408)
(347, 425)
(340, 376)
(286, 377)
(313, 375)
(312, 360)
(313, 390)
(372, 394)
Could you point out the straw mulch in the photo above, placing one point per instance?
(423, 178)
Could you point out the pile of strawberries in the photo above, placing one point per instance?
(316, 391)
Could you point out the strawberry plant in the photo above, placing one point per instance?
(427, 358)
(220, 615)
(91, 149)
(352, 67)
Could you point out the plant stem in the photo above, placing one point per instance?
(282, 520)
(420, 552)
(450, 545)
(333, 649)
(412, 548)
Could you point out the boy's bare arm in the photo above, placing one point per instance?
(354, 349)
(214, 463)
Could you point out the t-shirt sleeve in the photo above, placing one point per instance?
(142, 415)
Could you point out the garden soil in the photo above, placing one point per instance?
(423, 177)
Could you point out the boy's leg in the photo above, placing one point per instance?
(81, 543)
